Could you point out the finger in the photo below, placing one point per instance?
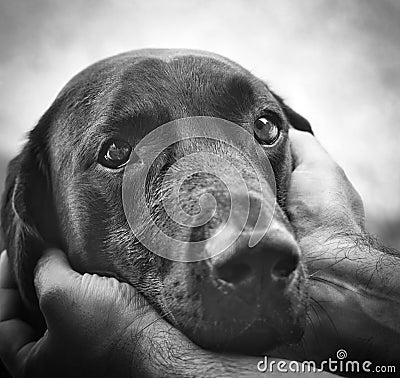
(54, 281)
(306, 149)
(15, 334)
(7, 280)
(16, 339)
(53, 270)
(10, 304)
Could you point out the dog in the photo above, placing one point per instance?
(64, 190)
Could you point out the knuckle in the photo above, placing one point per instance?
(50, 298)
(356, 197)
(53, 293)
(339, 171)
(302, 209)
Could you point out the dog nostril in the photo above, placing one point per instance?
(285, 267)
(233, 272)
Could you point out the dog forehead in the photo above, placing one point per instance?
(153, 86)
(145, 81)
(125, 60)
(141, 66)
(169, 54)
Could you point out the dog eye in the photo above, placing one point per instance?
(115, 153)
(265, 131)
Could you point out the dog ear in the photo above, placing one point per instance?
(294, 118)
(28, 216)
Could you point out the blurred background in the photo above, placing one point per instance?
(337, 62)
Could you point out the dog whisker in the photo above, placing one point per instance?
(324, 311)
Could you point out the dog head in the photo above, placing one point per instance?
(65, 189)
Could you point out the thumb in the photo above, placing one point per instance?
(305, 148)
(61, 290)
(54, 281)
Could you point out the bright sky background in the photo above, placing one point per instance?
(337, 62)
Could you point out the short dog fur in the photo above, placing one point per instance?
(57, 194)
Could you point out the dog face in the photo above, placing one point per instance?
(64, 190)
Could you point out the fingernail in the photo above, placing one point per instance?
(3, 255)
(51, 251)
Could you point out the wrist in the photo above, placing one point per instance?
(362, 324)
(356, 285)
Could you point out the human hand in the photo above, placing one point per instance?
(354, 284)
(321, 200)
(100, 327)
(97, 327)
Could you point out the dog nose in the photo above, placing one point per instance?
(272, 260)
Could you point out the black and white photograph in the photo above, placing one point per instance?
(199, 189)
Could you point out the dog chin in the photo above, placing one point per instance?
(253, 335)
(227, 323)
(256, 338)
